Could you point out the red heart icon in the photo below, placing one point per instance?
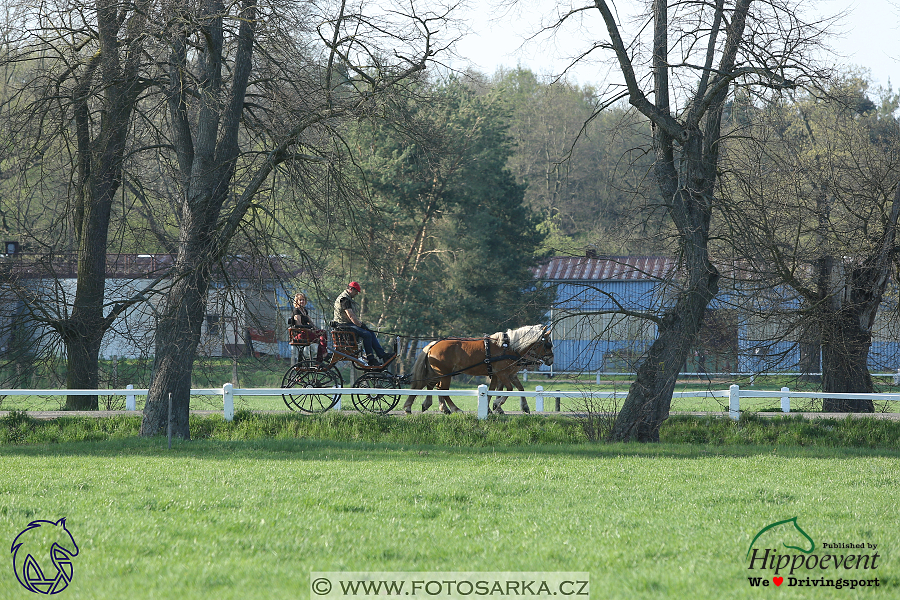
(778, 580)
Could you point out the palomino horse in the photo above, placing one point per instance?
(499, 356)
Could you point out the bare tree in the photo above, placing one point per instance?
(78, 72)
(813, 212)
(679, 75)
(251, 88)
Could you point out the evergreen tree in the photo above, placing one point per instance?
(449, 243)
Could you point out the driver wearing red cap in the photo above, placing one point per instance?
(346, 314)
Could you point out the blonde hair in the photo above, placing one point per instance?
(299, 296)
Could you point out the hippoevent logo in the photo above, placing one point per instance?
(42, 556)
(783, 554)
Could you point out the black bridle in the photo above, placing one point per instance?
(547, 342)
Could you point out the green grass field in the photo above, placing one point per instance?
(253, 515)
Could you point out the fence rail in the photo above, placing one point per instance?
(734, 394)
(751, 375)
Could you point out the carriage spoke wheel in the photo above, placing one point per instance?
(380, 404)
(304, 376)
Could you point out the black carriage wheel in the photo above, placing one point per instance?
(307, 374)
(380, 404)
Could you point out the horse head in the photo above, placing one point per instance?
(541, 350)
(548, 346)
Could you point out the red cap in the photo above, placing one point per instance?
(355, 286)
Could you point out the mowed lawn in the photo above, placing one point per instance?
(252, 519)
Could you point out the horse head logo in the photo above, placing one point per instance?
(787, 531)
(42, 556)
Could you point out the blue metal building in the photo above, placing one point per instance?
(589, 330)
(589, 335)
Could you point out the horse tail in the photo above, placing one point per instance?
(421, 371)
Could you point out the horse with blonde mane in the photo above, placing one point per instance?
(499, 356)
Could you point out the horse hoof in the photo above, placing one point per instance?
(407, 411)
(525, 410)
(498, 411)
(446, 411)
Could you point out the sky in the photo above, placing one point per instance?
(870, 38)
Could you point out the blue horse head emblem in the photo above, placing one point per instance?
(42, 556)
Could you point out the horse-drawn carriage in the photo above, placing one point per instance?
(310, 374)
(499, 357)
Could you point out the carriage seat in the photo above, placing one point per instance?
(302, 336)
(345, 341)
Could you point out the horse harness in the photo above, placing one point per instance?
(488, 359)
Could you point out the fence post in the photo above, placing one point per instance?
(734, 402)
(539, 399)
(525, 375)
(482, 401)
(169, 422)
(785, 401)
(129, 399)
(228, 401)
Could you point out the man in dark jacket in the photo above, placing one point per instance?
(346, 314)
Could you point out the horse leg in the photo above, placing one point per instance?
(448, 402)
(426, 404)
(515, 380)
(498, 401)
(443, 401)
(407, 406)
(504, 385)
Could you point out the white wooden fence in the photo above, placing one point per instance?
(750, 375)
(228, 392)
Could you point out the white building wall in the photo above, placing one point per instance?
(132, 335)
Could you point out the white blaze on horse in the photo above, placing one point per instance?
(499, 356)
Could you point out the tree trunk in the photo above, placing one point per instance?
(181, 318)
(811, 354)
(84, 329)
(650, 396)
(177, 337)
(83, 366)
(849, 319)
(845, 353)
